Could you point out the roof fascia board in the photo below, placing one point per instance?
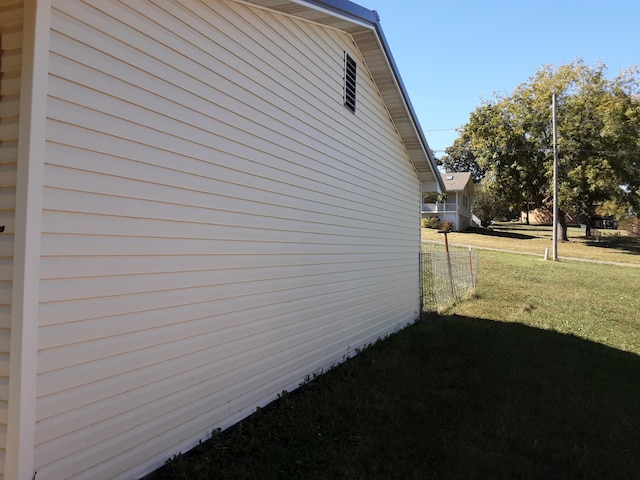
(371, 17)
(408, 104)
(349, 9)
(355, 14)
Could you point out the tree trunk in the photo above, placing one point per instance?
(562, 226)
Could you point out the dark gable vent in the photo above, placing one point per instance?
(350, 82)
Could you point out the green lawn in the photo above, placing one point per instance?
(600, 303)
(610, 246)
(536, 377)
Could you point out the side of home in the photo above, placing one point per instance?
(11, 34)
(202, 221)
(456, 206)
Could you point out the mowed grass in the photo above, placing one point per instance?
(609, 246)
(597, 302)
(536, 377)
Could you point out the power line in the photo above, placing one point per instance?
(549, 150)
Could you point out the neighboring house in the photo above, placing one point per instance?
(544, 216)
(204, 202)
(456, 207)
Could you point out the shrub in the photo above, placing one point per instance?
(431, 222)
(631, 225)
(447, 225)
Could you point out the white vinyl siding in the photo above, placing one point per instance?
(216, 226)
(11, 22)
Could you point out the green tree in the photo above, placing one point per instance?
(510, 139)
(488, 204)
(460, 157)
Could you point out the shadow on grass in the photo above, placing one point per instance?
(501, 233)
(625, 244)
(449, 397)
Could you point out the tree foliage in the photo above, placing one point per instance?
(509, 140)
(461, 157)
(488, 204)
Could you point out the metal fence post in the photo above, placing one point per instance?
(473, 280)
(446, 248)
(445, 273)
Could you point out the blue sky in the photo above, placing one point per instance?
(451, 54)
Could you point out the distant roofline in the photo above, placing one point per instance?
(457, 181)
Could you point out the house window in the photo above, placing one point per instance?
(349, 82)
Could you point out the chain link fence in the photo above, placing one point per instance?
(449, 274)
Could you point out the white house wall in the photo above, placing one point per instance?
(216, 225)
(11, 24)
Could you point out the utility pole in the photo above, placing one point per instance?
(555, 178)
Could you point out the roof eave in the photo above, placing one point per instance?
(349, 9)
(407, 101)
(364, 26)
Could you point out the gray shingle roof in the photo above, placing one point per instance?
(456, 182)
